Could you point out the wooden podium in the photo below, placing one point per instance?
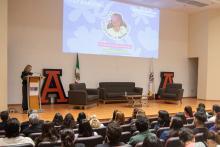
(33, 93)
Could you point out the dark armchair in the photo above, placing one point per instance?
(79, 95)
(172, 92)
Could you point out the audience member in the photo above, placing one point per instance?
(188, 140)
(113, 135)
(49, 133)
(4, 117)
(34, 125)
(141, 124)
(199, 121)
(215, 110)
(201, 107)
(58, 119)
(216, 127)
(12, 134)
(163, 119)
(152, 141)
(120, 118)
(188, 112)
(133, 116)
(68, 122)
(85, 129)
(176, 125)
(80, 117)
(182, 116)
(114, 115)
(94, 122)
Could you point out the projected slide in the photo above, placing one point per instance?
(106, 27)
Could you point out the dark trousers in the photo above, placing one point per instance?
(24, 99)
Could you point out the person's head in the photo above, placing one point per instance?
(58, 119)
(202, 105)
(217, 121)
(141, 113)
(69, 121)
(185, 135)
(188, 111)
(164, 118)
(94, 122)
(215, 109)
(182, 116)
(85, 128)
(134, 113)
(34, 119)
(114, 114)
(142, 124)
(13, 127)
(81, 116)
(28, 68)
(200, 118)
(176, 123)
(4, 116)
(48, 130)
(67, 137)
(113, 132)
(120, 118)
(116, 20)
(152, 141)
(201, 109)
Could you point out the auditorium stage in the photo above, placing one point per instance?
(104, 111)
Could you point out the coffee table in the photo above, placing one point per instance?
(137, 100)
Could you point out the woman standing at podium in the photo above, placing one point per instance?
(26, 72)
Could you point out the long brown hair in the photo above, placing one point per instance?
(27, 67)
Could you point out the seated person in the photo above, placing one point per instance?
(34, 125)
(182, 116)
(201, 107)
(68, 139)
(199, 122)
(58, 119)
(68, 122)
(215, 110)
(216, 127)
(176, 125)
(188, 112)
(133, 117)
(49, 133)
(94, 122)
(85, 129)
(163, 119)
(113, 134)
(120, 118)
(188, 140)
(12, 134)
(80, 117)
(152, 141)
(142, 124)
(4, 117)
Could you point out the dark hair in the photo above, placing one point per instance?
(164, 118)
(142, 124)
(49, 133)
(120, 118)
(181, 115)
(4, 116)
(188, 110)
(113, 132)
(152, 141)
(58, 119)
(201, 117)
(216, 108)
(134, 113)
(201, 109)
(85, 129)
(12, 128)
(81, 116)
(176, 123)
(201, 105)
(69, 121)
(185, 134)
(114, 114)
(67, 137)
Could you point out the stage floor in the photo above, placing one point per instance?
(104, 111)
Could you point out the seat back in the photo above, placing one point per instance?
(2, 133)
(77, 86)
(190, 120)
(101, 131)
(125, 136)
(199, 137)
(117, 86)
(126, 127)
(90, 141)
(22, 145)
(190, 126)
(33, 136)
(160, 130)
(49, 144)
(173, 142)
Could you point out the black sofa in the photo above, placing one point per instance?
(115, 91)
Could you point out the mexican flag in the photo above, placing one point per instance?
(77, 71)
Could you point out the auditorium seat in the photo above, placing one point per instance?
(153, 123)
(2, 133)
(160, 130)
(190, 120)
(50, 144)
(22, 145)
(173, 142)
(190, 126)
(126, 127)
(90, 141)
(199, 137)
(101, 131)
(33, 136)
(125, 136)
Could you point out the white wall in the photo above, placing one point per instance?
(35, 34)
(3, 54)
